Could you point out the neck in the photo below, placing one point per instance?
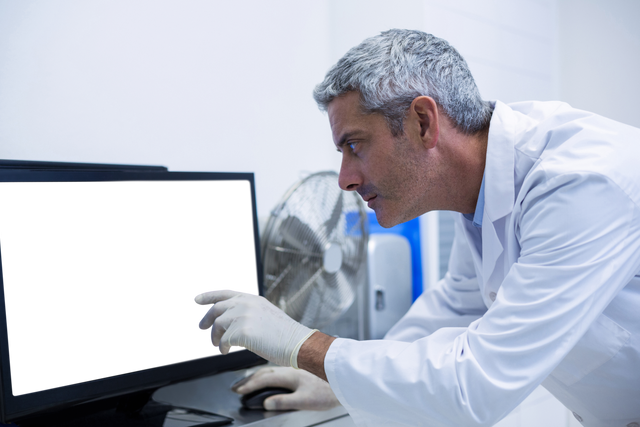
(481, 142)
(466, 162)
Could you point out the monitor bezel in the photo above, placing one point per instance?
(14, 408)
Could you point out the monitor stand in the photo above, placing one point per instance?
(132, 410)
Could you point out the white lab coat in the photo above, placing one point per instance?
(546, 292)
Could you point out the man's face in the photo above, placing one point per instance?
(385, 170)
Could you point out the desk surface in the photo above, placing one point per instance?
(214, 394)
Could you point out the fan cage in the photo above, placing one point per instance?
(313, 215)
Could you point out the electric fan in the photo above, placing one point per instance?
(314, 250)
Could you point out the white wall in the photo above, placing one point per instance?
(192, 85)
(599, 46)
(509, 45)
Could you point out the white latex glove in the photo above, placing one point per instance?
(309, 392)
(254, 323)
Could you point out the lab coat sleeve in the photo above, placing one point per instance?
(579, 235)
(454, 301)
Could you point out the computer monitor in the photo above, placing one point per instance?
(99, 270)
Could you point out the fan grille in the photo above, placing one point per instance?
(304, 274)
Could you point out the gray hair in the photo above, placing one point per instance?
(392, 69)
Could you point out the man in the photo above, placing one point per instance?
(542, 285)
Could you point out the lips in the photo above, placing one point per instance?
(369, 199)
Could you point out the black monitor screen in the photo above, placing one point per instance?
(99, 275)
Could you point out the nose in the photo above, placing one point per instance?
(350, 178)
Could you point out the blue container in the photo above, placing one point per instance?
(410, 230)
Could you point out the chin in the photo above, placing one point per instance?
(386, 221)
(391, 219)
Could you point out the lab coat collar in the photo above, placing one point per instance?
(499, 187)
(499, 166)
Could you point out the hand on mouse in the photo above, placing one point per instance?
(309, 392)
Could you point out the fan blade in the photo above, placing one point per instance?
(277, 281)
(329, 299)
(294, 298)
(352, 252)
(299, 235)
(331, 223)
(295, 251)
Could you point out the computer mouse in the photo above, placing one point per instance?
(255, 399)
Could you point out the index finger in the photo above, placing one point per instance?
(215, 296)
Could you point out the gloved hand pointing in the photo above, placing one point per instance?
(254, 323)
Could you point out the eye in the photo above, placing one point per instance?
(352, 145)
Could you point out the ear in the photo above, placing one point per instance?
(424, 114)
